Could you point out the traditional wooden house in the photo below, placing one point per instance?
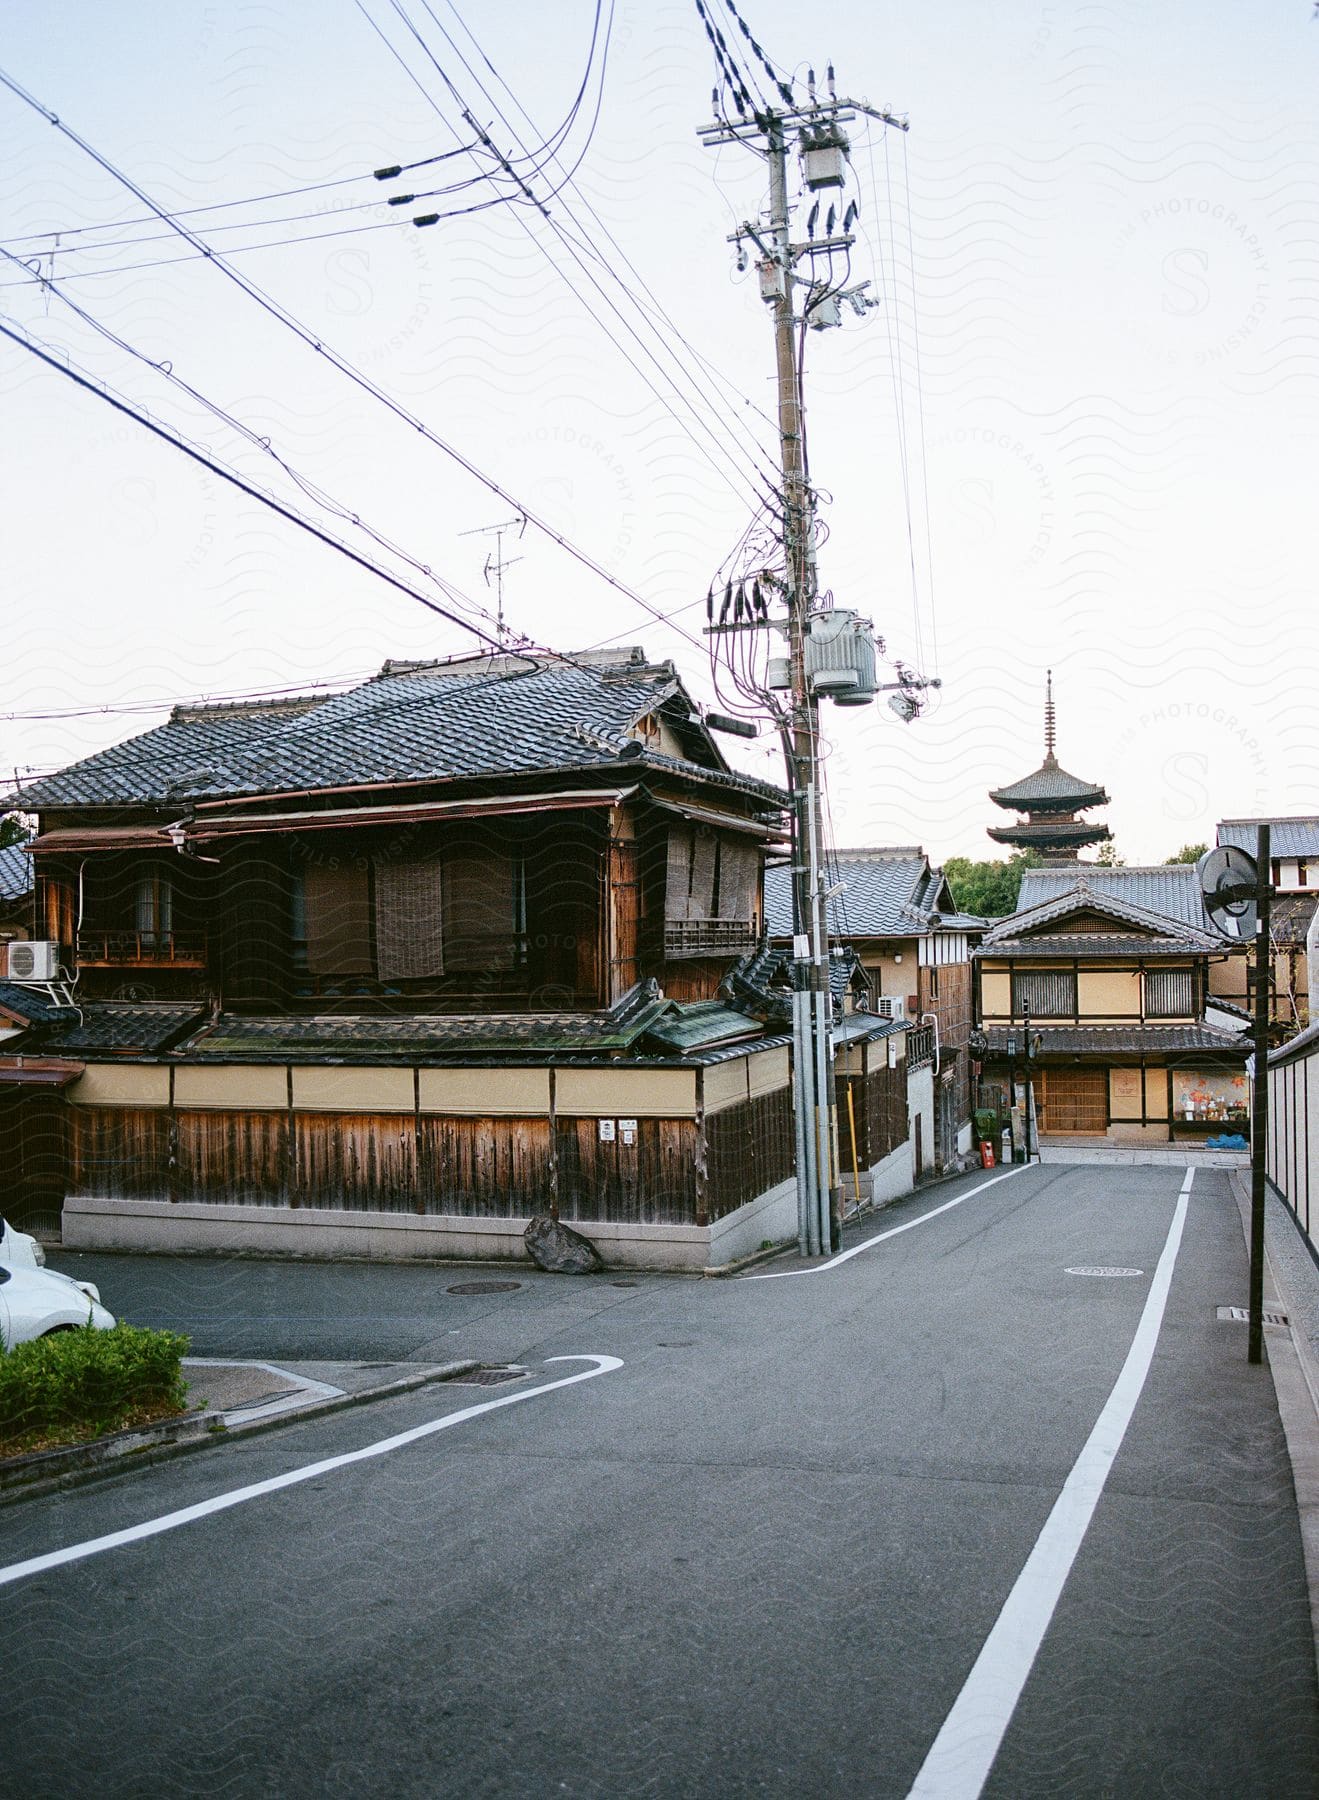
(1100, 992)
(894, 908)
(391, 971)
(15, 897)
(1294, 872)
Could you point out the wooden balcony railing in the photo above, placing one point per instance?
(920, 1046)
(708, 937)
(140, 950)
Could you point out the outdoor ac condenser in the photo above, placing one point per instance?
(33, 961)
(891, 1006)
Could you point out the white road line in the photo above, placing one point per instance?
(962, 1755)
(883, 1236)
(132, 1534)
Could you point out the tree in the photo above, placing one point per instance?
(1108, 857)
(1189, 853)
(12, 831)
(989, 888)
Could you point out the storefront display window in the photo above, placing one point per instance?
(1209, 1097)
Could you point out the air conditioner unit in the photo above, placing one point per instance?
(891, 1006)
(33, 961)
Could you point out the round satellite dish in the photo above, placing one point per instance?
(1229, 879)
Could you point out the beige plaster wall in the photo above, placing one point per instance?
(1124, 1095)
(1108, 993)
(261, 1088)
(522, 1093)
(353, 1090)
(1156, 1093)
(1228, 978)
(121, 1084)
(767, 1071)
(895, 977)
(995, 994)
(626, 1093)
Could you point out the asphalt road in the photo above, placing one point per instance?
(760, 1556)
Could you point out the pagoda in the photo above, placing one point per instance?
(1051, 800)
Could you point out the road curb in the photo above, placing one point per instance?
(49, 1471)
(1296, 1389)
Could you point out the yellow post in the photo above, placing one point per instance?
(851, 1126)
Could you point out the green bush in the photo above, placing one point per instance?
(80, 1384)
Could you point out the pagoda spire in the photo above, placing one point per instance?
(1050, 720)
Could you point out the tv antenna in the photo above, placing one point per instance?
(497, 562)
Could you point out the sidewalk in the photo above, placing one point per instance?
(1291, 1287)
(229, 1399)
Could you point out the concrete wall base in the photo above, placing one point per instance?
(1177, 1156)
(156, 1225)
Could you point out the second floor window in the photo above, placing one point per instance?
(1169, 993)
(1046, 994)
(153, 909)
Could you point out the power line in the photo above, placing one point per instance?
(346, 368)
(659, 314)
(255, 439)
(120, 405)
(721, 449)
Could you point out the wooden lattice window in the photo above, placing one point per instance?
(1169, 993)
(1044, 994)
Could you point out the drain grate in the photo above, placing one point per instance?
(488, 1377)
(484, 1287)
(1240, 1315)
(1102, 1271)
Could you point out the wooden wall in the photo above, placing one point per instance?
(675, 1170)
(879, 1108)
(749, 1148)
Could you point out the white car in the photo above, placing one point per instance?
(18, 1250)
(35, 1302)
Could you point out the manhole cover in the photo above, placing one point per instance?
(1100, 1271)
(1240, 1315)
(484, 1287)
(489, 1377)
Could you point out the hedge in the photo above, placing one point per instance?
(80, 1384)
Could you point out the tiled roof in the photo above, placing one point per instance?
(1120, 1040)
(123, 1029)
(762, 982)
(702, 1024)
(1053, 945)
(884, 894)
(1050, 785)
(1287, 837)
(15, 873)
(1081, 894)
(30, 1004)
(450, 722)
(1172, 889)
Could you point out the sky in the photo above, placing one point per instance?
(1078, 432)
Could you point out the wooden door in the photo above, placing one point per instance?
(1073, 1100)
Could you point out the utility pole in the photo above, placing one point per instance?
(817, 129)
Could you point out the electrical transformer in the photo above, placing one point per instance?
(841, 662)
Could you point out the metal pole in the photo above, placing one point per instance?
(1030, 1083)
(1259, 1124)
